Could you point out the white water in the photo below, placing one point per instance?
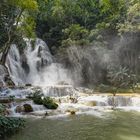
(14, 65)
(86, 103)
(36, 66)
(42, 68)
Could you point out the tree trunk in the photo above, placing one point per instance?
(10, 40)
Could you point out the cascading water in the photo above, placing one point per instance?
(40, 67)
(36, 66)
(15, 66)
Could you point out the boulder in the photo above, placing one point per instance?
(28, 85)
(49, 103)
(73, 100)
(8, 81)
(27, 108)
(19, 109)
(71, 111)
(46, 101)
(24, 108)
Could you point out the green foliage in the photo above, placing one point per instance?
(105, 88)
(10, 125)
(37, 98)
(41, 100)
(65, 23)
(26, 4)
(121, 78)
(27, 27)
(15, 22)
(49, 103)
(131, 23)
(75, 35)
(28, 108)
(2, 109)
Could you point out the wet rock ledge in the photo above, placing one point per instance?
(5, 79)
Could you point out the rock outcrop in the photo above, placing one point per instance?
(24, 108)
(5, 79)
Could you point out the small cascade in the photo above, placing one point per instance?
(69, 99)
(59, 91)
(36, 68)
(120, 101)
(108, 100)
(135, 101)
(94, 100)
(18, 93)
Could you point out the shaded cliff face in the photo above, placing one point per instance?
(5, 79)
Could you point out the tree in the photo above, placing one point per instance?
(13, 15)
(120, 77)
(132, 20)
(75, 35)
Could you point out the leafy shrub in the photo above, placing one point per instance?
(2, 109)
(46, 101)
(105, 88)
(9, 125)
(120, 77)
(75, 35)
(37, 99)
(109, 89)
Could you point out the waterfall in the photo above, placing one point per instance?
(36, 65)
(14, 65)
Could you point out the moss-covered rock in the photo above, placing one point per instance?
(24, 108)
(36, 97)
(38, 100)
(28, 85)
(72, 112)
(46, 101)
(49, 103)
(28, 108)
